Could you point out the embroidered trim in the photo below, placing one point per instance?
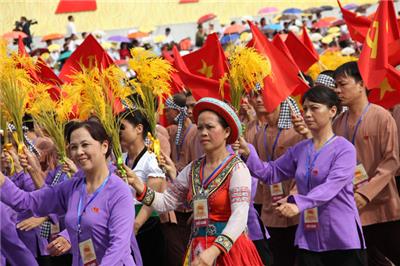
(217, 182)
(240, 194)
(149, 197)
(224, 242)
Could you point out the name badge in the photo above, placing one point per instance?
(277, 192)
(311, 219)
(54, 230)
(200, 211)
(360, 176)
(87, 253)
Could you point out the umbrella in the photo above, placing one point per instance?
(334, 30)
(285, 17)
(329, 19)
(106, 45)
(292, 11)
(245, 36)
(273, 27)
(52, 36)
(64, 55)
(338, 22)
(350, 6)
(312, 10)
(121, 62)
(326, 8)
(185, 44)
(268, 10)
(54, 47)
(118, 38)
(363, 8)
(137, 35)
(229, 38)
(315, 37)
(159, 38)
(206, 18)
(327, 39)
(237, 28)
(321, 24)
(14, 35)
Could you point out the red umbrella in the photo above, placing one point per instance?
(267, 10)
(237, 28)
(321, 24)
(206, 18)
(329, 19)
(338, 22)
(14, 35)
(53, 36)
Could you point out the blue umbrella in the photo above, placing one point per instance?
(64, 55)
(292, 11)
(229, 38)
(350, 6)
(118, 38)
(276, 27)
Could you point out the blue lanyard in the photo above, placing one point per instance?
(310, 164)
(204, 181)
(357, 125)
(81, 200)
(270, 157)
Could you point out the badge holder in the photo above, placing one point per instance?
(200, 210)
(88, 254)
(360, 176)
(311, 220)
(276, 192)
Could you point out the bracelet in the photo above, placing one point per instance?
(141, 196)
(224, 243)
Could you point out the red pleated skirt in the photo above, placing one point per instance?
(243, 252)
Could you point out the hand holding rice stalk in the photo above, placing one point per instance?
(102, 94)
(246, 71)
(53, 115)
(15, 85)
(153, 75)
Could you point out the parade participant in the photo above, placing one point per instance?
(271, 142)
(329, 231)
(181, 131)
(373, 132)
(98, 204)
(190, 103)
(246, 111)
(134, 130)
(218, 186)
(396, 116)
(13, 249)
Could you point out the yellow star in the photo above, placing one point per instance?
(385, 87)
(206, 70)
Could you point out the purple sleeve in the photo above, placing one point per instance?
(122, 216)
(64, 234)
(272, 172)
(23, 181)
(42, 201)
(340, 174)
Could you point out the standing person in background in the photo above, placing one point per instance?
(71, 29)
(277, 136)
(396, 116)
(373, 132)
(200, 36)
(190, 103)
(329, 231)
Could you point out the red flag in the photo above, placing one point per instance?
(283, 79)
(388, 93)
(358, 25)
(209, 61)
(305, 39)
(89, 54)
(278, 43)
(70, 6)
(21, 47)
(374, 57)
(303, 57)
(176, 82)
(199, 85)
(46, 75)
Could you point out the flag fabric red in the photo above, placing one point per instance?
(70, 6)
(305, 39)
(21, 47)
(89, 54)
(209, 61)
(388, 93)
(303, 57)
(176, 82)
(199, 85)
(283, 79)
(374, 58)
(358, 25)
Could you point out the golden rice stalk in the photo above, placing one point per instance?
(247, 68)
(152, 83)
